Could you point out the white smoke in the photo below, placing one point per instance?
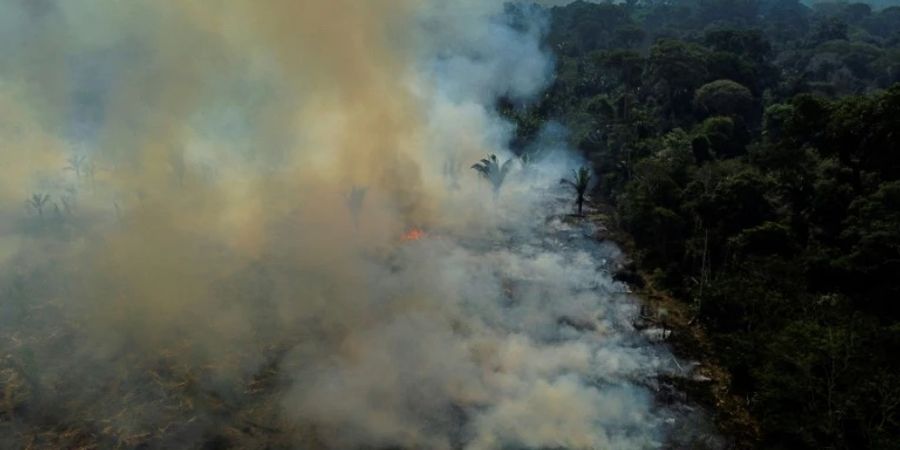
(198, 275)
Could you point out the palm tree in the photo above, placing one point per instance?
(491, 170)
(580, 181)
(37, 201)
(526, 160)
(77, 164)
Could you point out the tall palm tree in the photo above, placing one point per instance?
(491, 170)
(580, 181)
(77, 164)
(38, 201)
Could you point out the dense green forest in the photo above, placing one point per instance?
(751, 149)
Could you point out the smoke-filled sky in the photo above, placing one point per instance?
(201, 212)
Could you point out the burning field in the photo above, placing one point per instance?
(253, 225)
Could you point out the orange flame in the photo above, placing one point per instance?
(413, 234)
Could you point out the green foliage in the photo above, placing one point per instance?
(724, 98)
(582, 27)
(769, 238)
(628, 66)
(776, 117)
(751, 149)
(677, 68)
(750, 44)
(719, 132)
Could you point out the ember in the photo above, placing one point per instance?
(414, 234)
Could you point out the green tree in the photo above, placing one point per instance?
(678, 68)
(580, 181)
(750, 44)
(724, 98)
(721, 135)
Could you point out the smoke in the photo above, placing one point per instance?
(179, 266)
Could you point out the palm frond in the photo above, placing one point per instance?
(491, 169)
(506, 167)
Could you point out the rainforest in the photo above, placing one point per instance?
(467, 224)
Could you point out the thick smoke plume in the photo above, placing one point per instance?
(179, 265)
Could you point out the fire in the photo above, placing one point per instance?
(413, 234)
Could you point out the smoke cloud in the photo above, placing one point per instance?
(202, 207)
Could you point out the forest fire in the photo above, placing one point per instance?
(414, 234)
(276, 253)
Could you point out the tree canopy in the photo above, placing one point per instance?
(751, 149)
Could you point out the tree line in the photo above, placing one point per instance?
(751, 149)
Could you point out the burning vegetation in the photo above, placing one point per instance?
(414, 234)
(179, 276)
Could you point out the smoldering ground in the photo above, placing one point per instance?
(180, 268)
